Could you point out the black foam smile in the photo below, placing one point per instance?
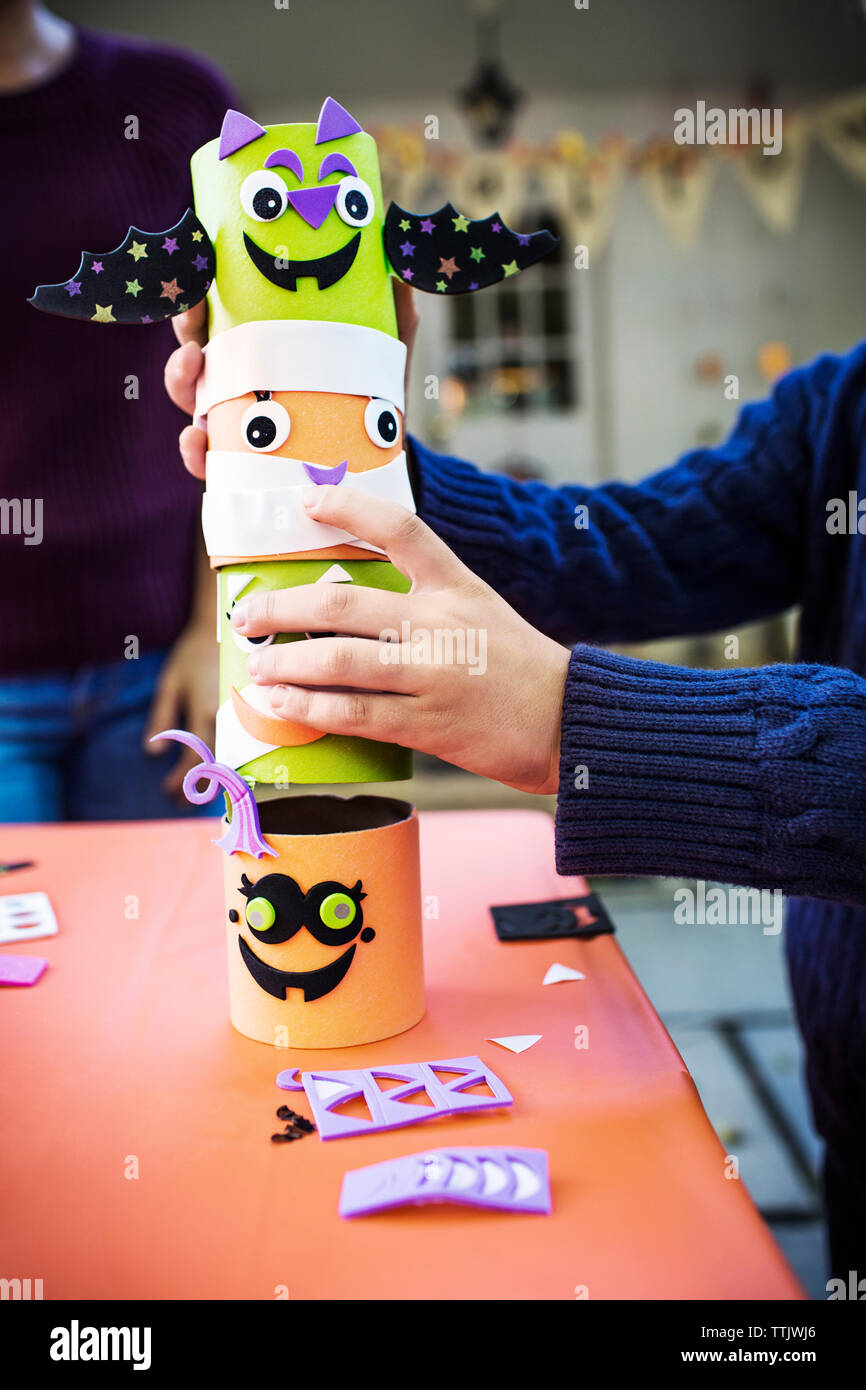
(314, 983)
(325, 270)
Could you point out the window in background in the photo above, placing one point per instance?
(513, 348)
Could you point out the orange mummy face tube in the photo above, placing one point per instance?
(324, 942)
(287, 405)
(317, 427)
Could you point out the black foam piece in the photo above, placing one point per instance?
(554, 920)
(151, 276)
(444, 252)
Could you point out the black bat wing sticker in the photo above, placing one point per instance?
(447, 253)
(149, 277)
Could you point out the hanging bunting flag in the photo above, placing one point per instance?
(581, 182)
(841, 127)
(677, 184)
(584, 199)
(774, 183)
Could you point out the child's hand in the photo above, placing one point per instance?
(182, 371)
(493, 708)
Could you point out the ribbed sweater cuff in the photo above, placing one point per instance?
(682, 772)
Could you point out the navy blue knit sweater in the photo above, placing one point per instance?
(749, 776)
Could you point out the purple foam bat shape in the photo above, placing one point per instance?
(503, 1179)
(394, 1108)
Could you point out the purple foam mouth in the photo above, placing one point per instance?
(326, 475)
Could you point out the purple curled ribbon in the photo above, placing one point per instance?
(244, 832)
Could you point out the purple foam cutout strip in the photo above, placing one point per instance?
(333, 475)
(21, 970)
(334, 122)
(244, 832)
(336, 163)
(394, 1108)
(499, 1178)
(289, 1080)
(286, 159)
(237, 130)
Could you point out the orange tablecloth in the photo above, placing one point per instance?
(121, 1061)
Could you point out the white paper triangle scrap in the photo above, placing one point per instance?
(558, 972)
(236, 583)
(335, 575)
(519, 1042)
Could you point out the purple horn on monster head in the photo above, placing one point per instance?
(334, 122)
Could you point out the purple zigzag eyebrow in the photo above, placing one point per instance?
(334, 163)
(287, 159)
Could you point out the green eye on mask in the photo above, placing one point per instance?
(260, 914)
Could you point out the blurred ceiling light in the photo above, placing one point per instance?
(491, 99)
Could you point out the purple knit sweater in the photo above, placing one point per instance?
(86, 425)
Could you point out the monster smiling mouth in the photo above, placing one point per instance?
(325, 270)
(314, 983)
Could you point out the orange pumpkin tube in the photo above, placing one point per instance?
(324, 942)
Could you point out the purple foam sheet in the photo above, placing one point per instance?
(498, 1179)
(290, 1080)
(21, 970)
(393, 1106)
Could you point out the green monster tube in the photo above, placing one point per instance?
(290, 224)
(295, 215)
(249, 738)
(294, 250)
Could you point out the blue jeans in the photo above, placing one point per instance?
(71, 746)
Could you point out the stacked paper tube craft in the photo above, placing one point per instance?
(303, 383)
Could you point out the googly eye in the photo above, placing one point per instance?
(355, 202)
(252, 644)
(338, 910)
(382, 423)
(265, 426)
(260, 914)
(264, 195)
